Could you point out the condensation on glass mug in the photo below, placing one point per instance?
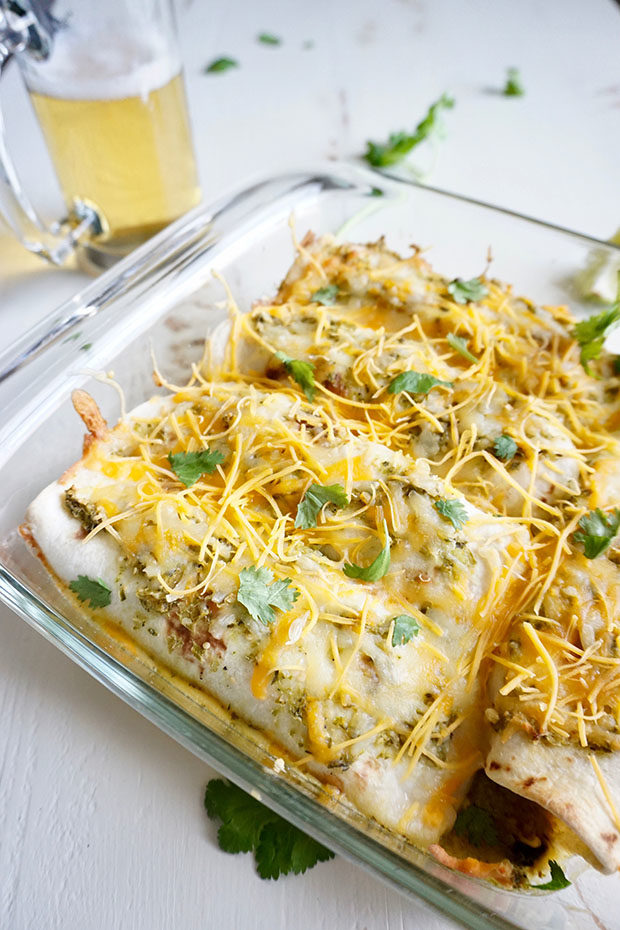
(105, 80)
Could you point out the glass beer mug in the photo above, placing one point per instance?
(105, 80)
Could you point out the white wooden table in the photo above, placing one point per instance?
(101, 820)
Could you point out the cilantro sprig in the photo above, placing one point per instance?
(513, 86)
(505, 448)
(377, 568)
(326, 296)
(405, 628)
(221, 64)
(476, 824)
(190, 466)
(399, 144)
(591, 333)
(460, 345)
(259, 594)
(415, 382)
(94, 590)
(313, 501)
(268, 38)
(597, 530)
(453, 510)
(466, 292)
(558, 878)
(249, 826)
(302, 372)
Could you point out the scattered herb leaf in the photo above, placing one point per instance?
(591, 333)
(284, 848)
(405, 628)
(326, 295)
(249, 826)
(267, 38)
(190, 466)
(95, 591)
(453, 510)
(313, 500)
(415, 382)
(259, 594)
(221, 64)
(505, 448)
(465, 292)
(242, 817)
(376, 192)
(598, 531)
(377, 569)
(558, 878)
(476, 825)
(301, 372)
(400, 144)
(460, 345)
(513, 86)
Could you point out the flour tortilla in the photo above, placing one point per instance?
(377, 786)
(563, 780)
(373, 781)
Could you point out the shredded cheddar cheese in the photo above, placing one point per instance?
(508, 612)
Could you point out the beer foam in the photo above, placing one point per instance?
(109, 66)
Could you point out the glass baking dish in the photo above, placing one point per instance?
(165, 297)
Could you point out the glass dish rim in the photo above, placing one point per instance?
(38, 337)
(211, 747)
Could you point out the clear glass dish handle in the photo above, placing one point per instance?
(22, 31)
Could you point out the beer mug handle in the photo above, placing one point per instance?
(19, 31)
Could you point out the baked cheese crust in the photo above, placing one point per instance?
(512, 643)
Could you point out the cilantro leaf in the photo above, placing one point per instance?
(377, 569)
(405, 628)
(326, 295)
(591, 333)
(190, 466)
(465, 292)
(400, 144)
(513, 86)
(558, 878)
(460, 345)
(313, 500)
(283, 848)
(249, 826)
(301, 372)
(221, 64)
(453, 510)
(242, 817)
(95, 591)
(415, 382)
(267, 38)
(598, 531)
(259, 594)
(505, 448)
(476, 825)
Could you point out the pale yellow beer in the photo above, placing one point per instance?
(129, 157)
